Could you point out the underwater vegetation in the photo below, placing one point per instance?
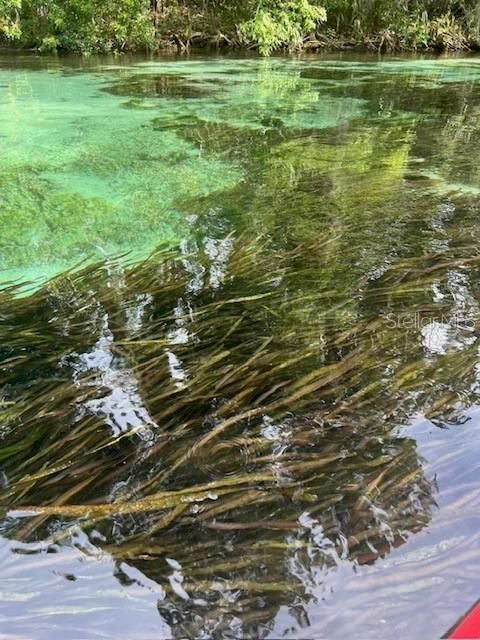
(239, 328)
(185, 407)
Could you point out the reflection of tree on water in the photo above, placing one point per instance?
(369, 497)
(280, 483)
(304, 471)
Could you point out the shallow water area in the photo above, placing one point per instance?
(239, 343)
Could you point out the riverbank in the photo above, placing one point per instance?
(381, 42)
(211, 43)
(266, 26)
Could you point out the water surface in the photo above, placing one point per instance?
(239, 395)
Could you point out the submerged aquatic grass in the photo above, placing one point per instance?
(149, 405)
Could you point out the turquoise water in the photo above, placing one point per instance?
(102, 159)
(95, 163)
(248, 404)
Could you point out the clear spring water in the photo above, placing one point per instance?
(378, 160)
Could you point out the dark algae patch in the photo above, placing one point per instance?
(239, 347)
(157, 86)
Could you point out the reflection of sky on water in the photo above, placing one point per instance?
(121, 406)
(433, 578)
(90, 595)
(94, 596)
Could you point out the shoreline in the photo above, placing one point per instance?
(220, 43)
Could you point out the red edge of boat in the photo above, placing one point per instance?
(468, 627)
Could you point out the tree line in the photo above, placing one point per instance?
(267, 25)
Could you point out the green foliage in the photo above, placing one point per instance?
(117, 25)
(278, 23)
(9, 18)
(408, 24)
(447, 33)
(82, 25)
